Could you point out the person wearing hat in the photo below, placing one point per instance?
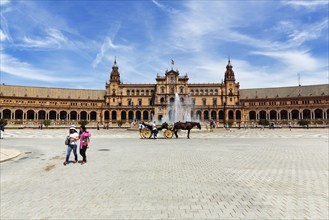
(72, 137)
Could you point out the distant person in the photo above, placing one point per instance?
(154, 130)
(72, 137)
(97, 125)
(140, 126)
(290, 125)
(84, 143)
(2, 130)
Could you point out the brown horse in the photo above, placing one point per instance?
(185, 126)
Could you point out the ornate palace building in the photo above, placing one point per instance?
(29, 106)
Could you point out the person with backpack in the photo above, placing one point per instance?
(72, 145)
(84, 143)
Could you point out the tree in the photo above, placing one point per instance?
(229, 123)
(120, 123)
(263, 122)
(4, 122)
(83, 122)
(303, 122)
(46, 123)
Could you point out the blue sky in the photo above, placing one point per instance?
(72, 44)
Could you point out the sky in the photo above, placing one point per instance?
(73, 44)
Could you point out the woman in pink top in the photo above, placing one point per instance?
(84, 142)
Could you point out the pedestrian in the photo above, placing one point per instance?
(154, 130)
(97, 125)
(72, 145)
(2, 130)
(140, 126)
(84, 143)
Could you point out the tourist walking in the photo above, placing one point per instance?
(72, 145)
(84, 143)
(2, 130)
(154, 130)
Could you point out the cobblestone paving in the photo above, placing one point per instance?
(243, 174)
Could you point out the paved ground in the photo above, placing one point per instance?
(245, 174)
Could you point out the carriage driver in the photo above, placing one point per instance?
(154, 130)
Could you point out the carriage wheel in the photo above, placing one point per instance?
(146, 133)
(168, 134)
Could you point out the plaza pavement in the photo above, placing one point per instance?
(242, 174)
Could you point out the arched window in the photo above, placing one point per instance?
(252, 115)
(145, 115)
(273, 115)
(216, 92)
(213, 115)
(73, 115)
(231, 115)
(128, 92)
(18, 114)
(107, 115)
(238, 115)
(262, 115)
(201, 91)
(63, 115)
(306, 114)
(196, 92)
(318, 113)
(41, 115)
(211, 92)
(138, 115)
(162, 100)
(52, 115)
(30, 114)
(192, 92)
(295, 114)
(205, 115)
(221, 115)
(83, 115)
(130, 115)
(198, 115)
(206, 92)
(162, 89)
(114, 115)
(93, 116)
(123, 116)
(137, 92)
(284, 115)
(6, 114)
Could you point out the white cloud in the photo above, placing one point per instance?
(53, 38)
(306, 4)
(4, 2)
(3, 36)
(15, 67)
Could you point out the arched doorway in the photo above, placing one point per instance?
(306, 114)
(273, 115)
(221, 115)
(52, 115)
(41, 115)
(231, 115)
(262, 115)
(318, 114)
(6, 114)
(123, 115)
(114, 115)
(205, 115)
(83, 115)
(252, 115)
(213, 115)
(138, 115)
(73, 115)
(93, 116)
(106, 115)
(294, 114)
(63, 115)
(130, 115)
(145, 116)
(18, 114)
(30, 115)
(284, 115)
(238, 115)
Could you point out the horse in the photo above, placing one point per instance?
(185, 126)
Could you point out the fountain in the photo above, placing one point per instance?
(179, 109)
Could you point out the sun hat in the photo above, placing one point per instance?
(72, 128)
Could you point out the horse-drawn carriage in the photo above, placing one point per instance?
(169, 130)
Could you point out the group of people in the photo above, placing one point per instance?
(72, 139)
(142, 125)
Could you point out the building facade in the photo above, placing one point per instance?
(129, 103)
